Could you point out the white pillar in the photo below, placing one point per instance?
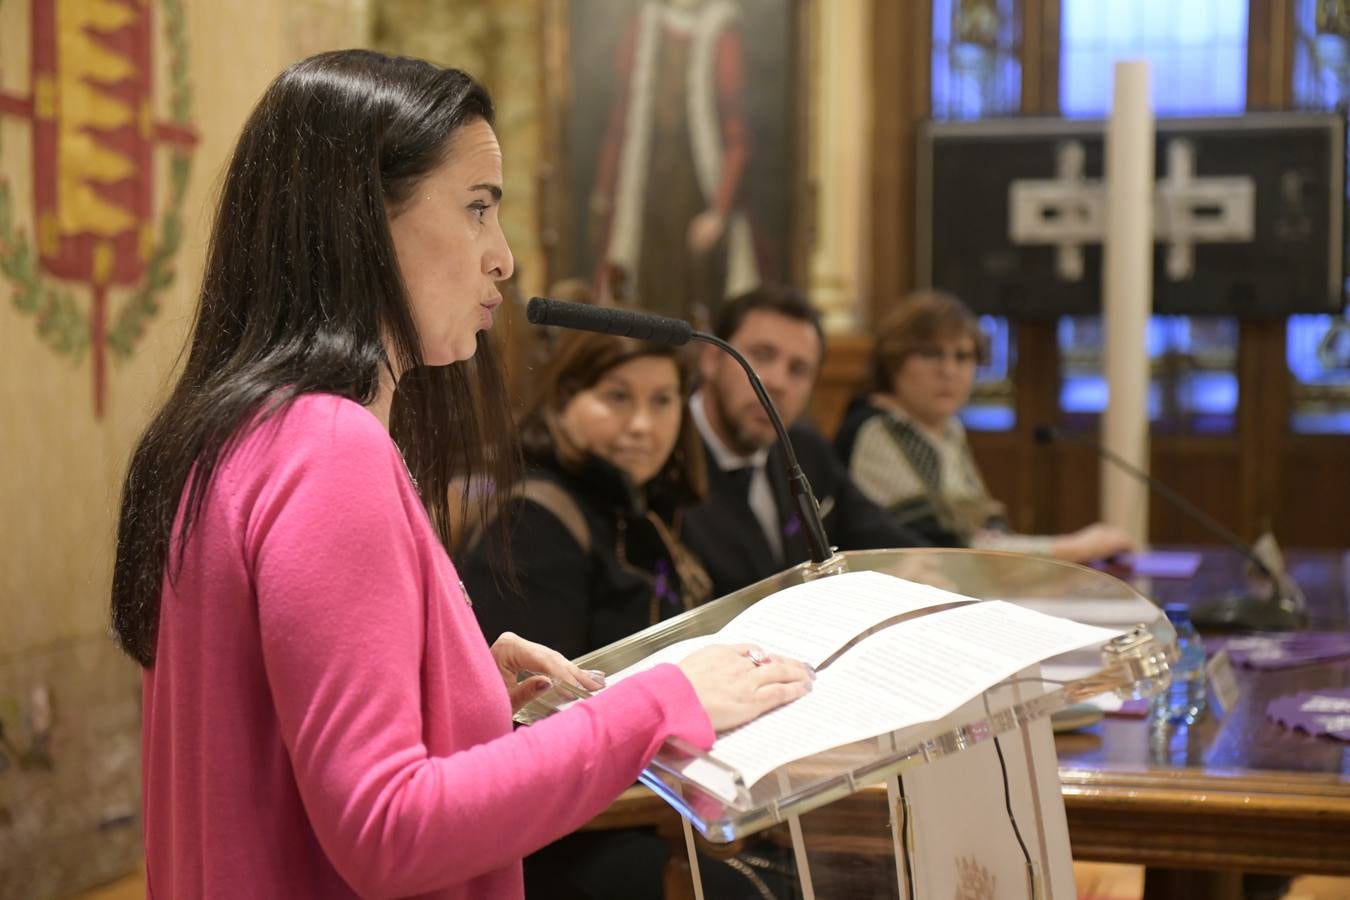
(1127, 295)
(839, 139)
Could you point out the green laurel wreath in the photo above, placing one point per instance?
(60, 322)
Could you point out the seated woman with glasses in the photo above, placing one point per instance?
(906, 449)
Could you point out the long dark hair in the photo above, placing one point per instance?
(300, 293)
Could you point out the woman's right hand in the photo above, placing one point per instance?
(734, 689)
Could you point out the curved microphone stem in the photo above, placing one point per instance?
(1190, 509)
(817, 543)
(1278, 609)
(1177, 500)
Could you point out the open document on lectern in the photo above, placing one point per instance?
(888, 653)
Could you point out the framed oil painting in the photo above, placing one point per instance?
(674, 169)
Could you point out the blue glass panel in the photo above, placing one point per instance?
(1197, 52)
(1194, 386)
(1304, 334)
(970, 81)
(1080, 394)
(991, 406)
(1320, 61)
(1329, 422)
(1209, 393)
(1321, 80)
(1087, 395)
(998, 366)
(979, 417)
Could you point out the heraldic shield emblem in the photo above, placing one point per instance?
(90, 259)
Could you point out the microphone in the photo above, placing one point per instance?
(677, 332)
(1275, 612)
(608, 320)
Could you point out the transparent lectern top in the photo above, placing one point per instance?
(1133, 664)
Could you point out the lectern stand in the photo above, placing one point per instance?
(972, 807)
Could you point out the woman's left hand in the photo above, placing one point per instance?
(513, 654)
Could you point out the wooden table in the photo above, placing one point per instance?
(1226, 795)
(1198, 805)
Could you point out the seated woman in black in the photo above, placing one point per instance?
(611, 460)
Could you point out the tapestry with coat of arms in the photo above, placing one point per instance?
(91, 255)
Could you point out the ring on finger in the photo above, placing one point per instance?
(758, 657)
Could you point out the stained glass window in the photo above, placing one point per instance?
(1316, 348)
(977, 72)
(1318, 353)
(1197, 51)
(977, 68)
(1192, 385)
(991, 402)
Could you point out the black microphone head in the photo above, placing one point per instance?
(537, 310)
(1042, 434)
(608, 320)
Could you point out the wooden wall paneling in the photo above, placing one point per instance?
(1263, 416)
(1270, 45)
(1313, 506)
(1061, 481)
(999, 457)
(902, 78)
(1297, 484)
(1268, 87)
(1071, 498)
(1204, 470)
(1036, 377)
(1040, 57)
(844, 372)
(1028, 476)
(1263, 377)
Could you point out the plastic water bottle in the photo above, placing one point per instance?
(1184, 699)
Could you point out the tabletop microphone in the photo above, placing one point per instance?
(665, 330)
(1276, 611)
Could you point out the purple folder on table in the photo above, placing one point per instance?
(1162, 563)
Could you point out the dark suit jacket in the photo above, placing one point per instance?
(726, 536)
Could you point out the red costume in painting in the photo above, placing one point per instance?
(672, 163)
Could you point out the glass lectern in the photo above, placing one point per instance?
(967, 806)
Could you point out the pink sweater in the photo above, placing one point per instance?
(324, 718)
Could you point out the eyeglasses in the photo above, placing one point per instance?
(935, 355)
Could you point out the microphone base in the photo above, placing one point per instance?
(1237, 612)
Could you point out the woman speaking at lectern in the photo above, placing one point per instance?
(322, 717)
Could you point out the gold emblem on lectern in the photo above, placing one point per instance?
(973, 881)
